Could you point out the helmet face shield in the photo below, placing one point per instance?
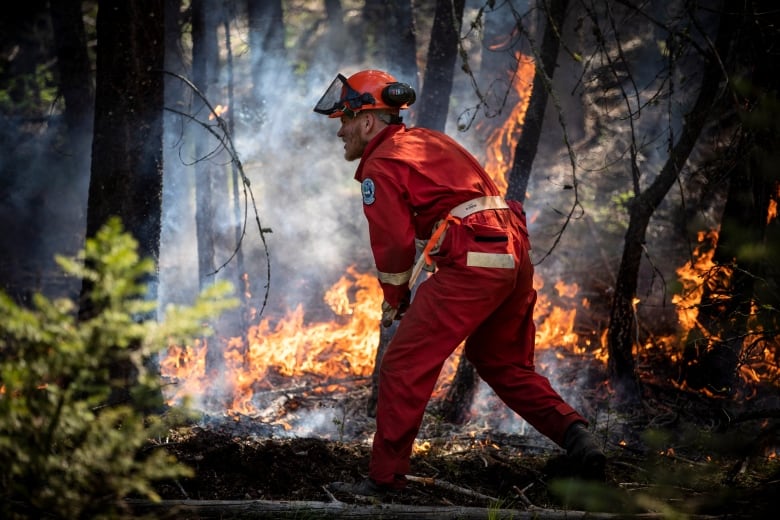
(340, 98)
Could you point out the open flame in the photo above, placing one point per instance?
(502, 140)
(691, 277)
(330, 353)
(758, 355)
(218, 111)
(327, 356)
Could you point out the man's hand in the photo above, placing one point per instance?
(390, 314)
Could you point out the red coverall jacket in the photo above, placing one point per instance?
(481, 291)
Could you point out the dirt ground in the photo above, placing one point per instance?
(680, 451)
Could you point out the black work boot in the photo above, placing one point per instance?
(366, 487)
(584, 452)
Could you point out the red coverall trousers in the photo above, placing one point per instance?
(490, 307)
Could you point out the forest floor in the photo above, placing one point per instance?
(678, 454)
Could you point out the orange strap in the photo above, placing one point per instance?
(436, 236)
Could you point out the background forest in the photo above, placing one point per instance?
(641, 137)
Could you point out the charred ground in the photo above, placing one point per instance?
(680, 450)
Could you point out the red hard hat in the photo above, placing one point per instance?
(364, 90)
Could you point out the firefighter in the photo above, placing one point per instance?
(420, 186)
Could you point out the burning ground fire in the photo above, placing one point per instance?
(333, 352)
(325, 357)
(293, 356)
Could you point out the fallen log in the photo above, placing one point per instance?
(237, 509)
(430, 481)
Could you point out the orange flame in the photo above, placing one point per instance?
(218, 111)
(690, 276)
(344, 348)
(336, 350)
(502, 140)
(341, 348)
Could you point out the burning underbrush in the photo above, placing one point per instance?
(680, 451)
(285, 411)
(286, 406)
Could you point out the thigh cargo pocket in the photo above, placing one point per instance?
(489, 247)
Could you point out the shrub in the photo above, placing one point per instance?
(66, 450)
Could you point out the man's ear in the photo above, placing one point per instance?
(368, 125)
(370, 121)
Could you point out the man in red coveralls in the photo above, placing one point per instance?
(421, 186)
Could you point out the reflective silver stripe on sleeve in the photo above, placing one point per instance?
(497, 260)
(395, 278)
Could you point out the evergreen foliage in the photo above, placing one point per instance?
(64, 451)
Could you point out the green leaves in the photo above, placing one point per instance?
(66, 448)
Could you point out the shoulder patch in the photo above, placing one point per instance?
(369, 191)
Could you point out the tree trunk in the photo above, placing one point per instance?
(527, 144)
(434, 99)
(335, 15)
(205, 62)
(620, 335)
(398, 42)
(76, 83)
(177, 285)
(127, 165)
(713, 347)
(266, 43)
(385, 335)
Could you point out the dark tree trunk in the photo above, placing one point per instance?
(216, 240)
(401, 49)
(456, 405)
(205, 61)
(346, 38)
(371, 28)
(178, 209)
(266, 43)
(335, 15)
(389, 35)
(620, 335)
(713, 347)
(76, 82)
(385, 335)
(397, 41)
(127, 165)
(526, 147)
(434, 100)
